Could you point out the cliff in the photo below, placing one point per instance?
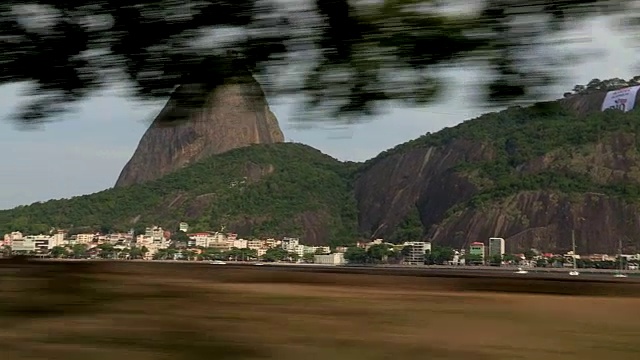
(529, 175)
(231, 116)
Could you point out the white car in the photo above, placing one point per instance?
(218, 262)
(258, 264)
(521, 271)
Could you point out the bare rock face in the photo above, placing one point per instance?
(425, 178)
(392, 186)
(544, 220)
(233, 115)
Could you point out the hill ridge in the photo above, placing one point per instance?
(527, 174)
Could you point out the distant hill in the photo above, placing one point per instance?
(281, 189)
(530, 175)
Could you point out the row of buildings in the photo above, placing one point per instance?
(495, 247)
(155, 239)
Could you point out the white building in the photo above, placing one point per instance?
(290, 244)
(208, 240)
(8, 238)
(184, 227)
(323, 250)
(41, 242)
(23, 245)
(329, 259)
(239, 243)
(57, 239)
(293, 245)
(417, 250)
(261, 246)
(156, 232)
(84, 238)
(201, 239)
(496, 246)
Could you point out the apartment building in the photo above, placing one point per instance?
(416, 252)
(9, 238)
(23, 245)
(496, 247)
(329, 259)
(239, 243)
(200, 239)
(477, 249)
(293, 245)
(84, 238)
(322, 250)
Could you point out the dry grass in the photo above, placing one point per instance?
(141, 312)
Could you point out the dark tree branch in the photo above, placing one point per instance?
(357, 55)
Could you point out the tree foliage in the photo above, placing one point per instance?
(180, 236)
(356, 255)
(276, 254)
(473, 259)
(409, 229)
(352, 55)
(439, 255)
(597, 85)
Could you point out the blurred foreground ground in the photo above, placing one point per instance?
(139, 311)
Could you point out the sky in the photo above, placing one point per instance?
(85, 152)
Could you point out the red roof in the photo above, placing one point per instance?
(477, 243)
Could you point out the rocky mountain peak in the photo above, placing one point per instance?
(198, 122)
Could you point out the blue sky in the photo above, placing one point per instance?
(85, 152)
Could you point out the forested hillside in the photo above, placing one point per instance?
(530, 175)
(262, 190)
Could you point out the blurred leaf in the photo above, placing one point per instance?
(70, 49)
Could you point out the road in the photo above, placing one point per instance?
(462, 272)
(586, 275)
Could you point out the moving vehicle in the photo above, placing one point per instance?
(521, 271)
(619, 273)
(574, 272)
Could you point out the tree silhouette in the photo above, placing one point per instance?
(352, 57)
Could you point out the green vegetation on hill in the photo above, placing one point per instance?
(597, 85)
(263, 190)
(283, 189)
(519, 135)
(548, 122)
(409, 229)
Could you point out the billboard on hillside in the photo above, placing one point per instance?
(621, 99)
